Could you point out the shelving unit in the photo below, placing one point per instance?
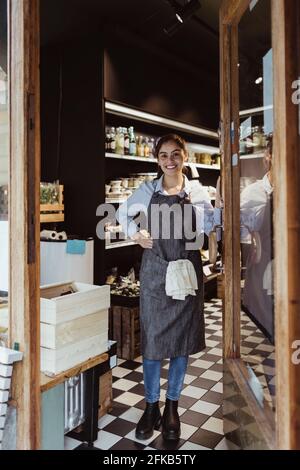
(199, 140)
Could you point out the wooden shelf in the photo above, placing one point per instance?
(49, 381)
(153, 160)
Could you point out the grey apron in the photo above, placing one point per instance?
(169, 328)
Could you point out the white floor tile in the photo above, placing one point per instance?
(133, 415)
(212, 375)
(205, 407)
(265, 347)
(214, 425)
(216, 352)
(71, 444)
(106, 440)
(194, 392)
(217, 388)
(218, 333)
(128, 398)
(105, 420)
(132, 437)
(198, 355)
(187, 431)
(123, 384)
(138, 369)
(211, 344)
(120, 361)
(192, 446)
(215, 327)
(189, 379)
(226, 445)
(120, 372)
(255, 339)
(202, 364)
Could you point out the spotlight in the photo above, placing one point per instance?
(182, 14)
(179, 18)
(259, 80)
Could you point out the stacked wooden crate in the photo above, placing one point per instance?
(74, 324)
(125, 329)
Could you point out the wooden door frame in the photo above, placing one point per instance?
(24, 220)
(285, 16)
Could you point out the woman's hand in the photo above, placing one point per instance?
(144, 239)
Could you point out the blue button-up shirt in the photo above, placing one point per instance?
(139, 201)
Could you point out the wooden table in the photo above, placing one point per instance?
(48, 381)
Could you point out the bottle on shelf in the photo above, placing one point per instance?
(146, 147)
(126, 141)
(107, 142)
(112, 140)
(140, 146)
(120, 141)
(132, 142)
(151, 147)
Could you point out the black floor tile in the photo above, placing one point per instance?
(127, 444)
(120, 427)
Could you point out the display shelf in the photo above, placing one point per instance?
(252, 156)
(129, 112)
(122, 244)
(153, 160)
(112, 200)
(53, 212)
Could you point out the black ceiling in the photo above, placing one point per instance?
(197, 41)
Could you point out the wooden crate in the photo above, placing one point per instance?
(105, 394)
(126, 331)
(53, 212)
(58, 306)
(74, 326)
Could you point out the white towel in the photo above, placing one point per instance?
(181, 279)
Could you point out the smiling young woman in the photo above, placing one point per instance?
(172, 327)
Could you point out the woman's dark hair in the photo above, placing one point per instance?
(181, 144)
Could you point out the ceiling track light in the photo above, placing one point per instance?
(182, 14)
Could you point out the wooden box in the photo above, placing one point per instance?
(74, 324)
(126, 331)
(105, 394)
(53, 212)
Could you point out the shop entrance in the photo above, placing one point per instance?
(87, 88)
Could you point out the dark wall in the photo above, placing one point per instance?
(142, 76)
(72, 125)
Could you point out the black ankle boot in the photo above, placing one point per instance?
(150, 420)
(170, 421)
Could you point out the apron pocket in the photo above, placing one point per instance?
(153, 280)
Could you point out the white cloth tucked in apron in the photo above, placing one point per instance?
(181, 279)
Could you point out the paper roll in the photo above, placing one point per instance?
(48, 234)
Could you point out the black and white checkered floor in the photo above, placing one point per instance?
(199, 406)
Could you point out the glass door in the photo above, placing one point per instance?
(257, 322)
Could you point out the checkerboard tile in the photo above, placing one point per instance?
(200, 405)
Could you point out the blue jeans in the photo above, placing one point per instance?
(177, 370)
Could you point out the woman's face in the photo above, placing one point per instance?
(171, 158)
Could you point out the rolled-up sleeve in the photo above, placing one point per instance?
(137, 203)
(205, 212)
